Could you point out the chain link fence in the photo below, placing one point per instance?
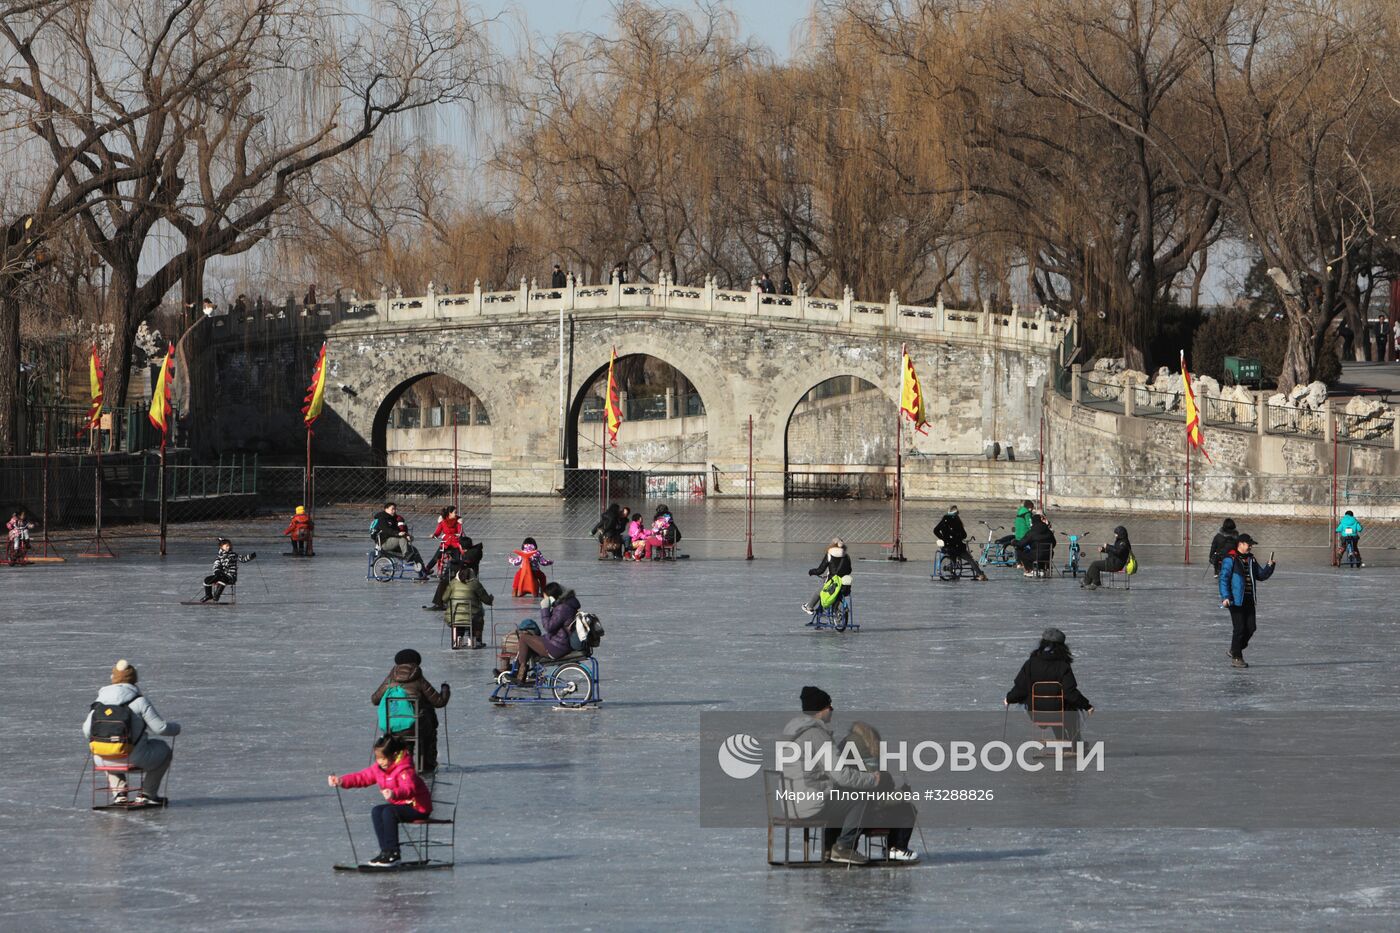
(60, 492)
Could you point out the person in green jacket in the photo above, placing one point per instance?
(1023, 525)
(466, 599)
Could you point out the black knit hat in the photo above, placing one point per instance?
(1053, 635)
(408, 656)
(815, 699)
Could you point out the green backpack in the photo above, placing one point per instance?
(831, 589)
(396, 711)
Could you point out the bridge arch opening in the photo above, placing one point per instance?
(839, 441)
(664, 426)
(423, 420)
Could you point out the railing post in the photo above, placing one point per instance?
(801, 299)
(1262, 425)
(709, 292)
(477, 307)
(524, 295)
(755, 296)
(847, 300)
(1395, 427)
(986, 316)
(1129, 399)
(384, 308)
(616, 289)
(432, 299)
(662, 289)
(892, 311)
(940, 314)
(1329, 428)
(570, 293)
(1075, 376)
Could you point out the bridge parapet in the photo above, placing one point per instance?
(529, 300)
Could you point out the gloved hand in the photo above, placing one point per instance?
(445, 690)
(546, 602)
(252, 555)
(811, 573)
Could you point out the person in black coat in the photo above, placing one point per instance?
(1223, 543)
(836, 562)
(1051, 662)
(1037, 548)
(1115, 559)
(469, 558)
(558, 278)
(608, 532)
(951, 532)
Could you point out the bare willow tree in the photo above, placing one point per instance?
(608, 139)
(1296, 96)
(225, 107)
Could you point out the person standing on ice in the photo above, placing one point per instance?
(1240, 576)
(121, 727)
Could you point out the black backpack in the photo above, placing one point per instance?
(113, 730)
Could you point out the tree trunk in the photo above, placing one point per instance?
(9, 372)
(1300, 357)
(121, 294)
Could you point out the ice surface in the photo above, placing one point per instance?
(588, 820)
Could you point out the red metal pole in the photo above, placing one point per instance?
(603, 480)
(48, 436)
(308, 498)
(1040, 483)
(1332, 533)
(162, 494)
(897, 549)
(748, 507)
(1186, 543)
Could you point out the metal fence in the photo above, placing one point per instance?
(60, 495)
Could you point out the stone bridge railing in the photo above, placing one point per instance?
(532, 301)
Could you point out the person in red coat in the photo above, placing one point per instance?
(299, 530)
(449, 535)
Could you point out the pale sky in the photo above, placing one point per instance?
(771, 22)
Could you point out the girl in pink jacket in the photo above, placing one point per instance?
(408, 797)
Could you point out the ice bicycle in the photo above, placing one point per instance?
(570, 681)
(835, 612)
(387, 567)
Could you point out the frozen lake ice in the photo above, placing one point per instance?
(590, 819)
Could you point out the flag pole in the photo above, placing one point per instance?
(161, 483)
(308, 495)
(603, 478)
(748, 506)
(1186, 544)
(455, 494)
(897, 547)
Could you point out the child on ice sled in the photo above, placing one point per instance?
(299, 530)
(407, 796)
(225, 570)
(529, 579)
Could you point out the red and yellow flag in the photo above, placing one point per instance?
(612, 411)
(160, 397)
(1194, 436)
(95, 375)
(316, 392)
(911, 396)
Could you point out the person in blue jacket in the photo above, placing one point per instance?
(1349, 533)
(1240, 575)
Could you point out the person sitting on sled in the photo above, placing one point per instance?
(466, 598)
(120, 728)
(406, 686)
(633, 536)
(529, 579)
(835, 566)
(18, 528)
(408, 798)
(225, 570)
(390, 532)
(449, 530)
(651, 538)
(299, 530)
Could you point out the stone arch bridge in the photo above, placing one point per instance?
(747, 353)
